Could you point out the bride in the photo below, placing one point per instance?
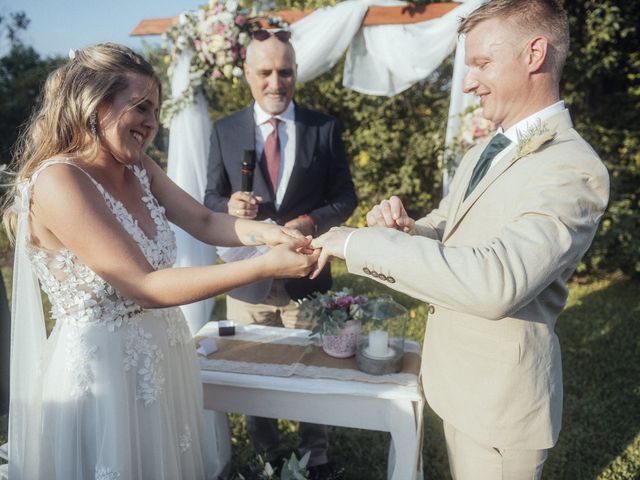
(114, 392)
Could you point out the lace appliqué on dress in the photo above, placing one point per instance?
(177, 330)
(79, 363)
(76, 293)
(140, 353)
(106, 473)
(184, 441)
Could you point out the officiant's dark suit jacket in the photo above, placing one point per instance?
(320, 184)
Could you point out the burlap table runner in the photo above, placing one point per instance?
(266, 356)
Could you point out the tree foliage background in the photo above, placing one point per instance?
(395, 144)
(602, 88)
(22, 74)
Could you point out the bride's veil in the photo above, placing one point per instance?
(28, 338)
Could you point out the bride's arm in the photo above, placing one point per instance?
(68, 205)
(206, 225)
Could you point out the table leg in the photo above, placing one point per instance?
(418, 408)
(403, 424)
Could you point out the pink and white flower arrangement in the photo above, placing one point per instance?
(329, 312)
(473, 129)
(218, 35)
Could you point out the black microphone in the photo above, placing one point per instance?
(247, 168)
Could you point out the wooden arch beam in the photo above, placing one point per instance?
(375, 16)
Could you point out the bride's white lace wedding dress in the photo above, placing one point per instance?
(121, 394)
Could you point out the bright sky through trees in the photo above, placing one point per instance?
(57, 26)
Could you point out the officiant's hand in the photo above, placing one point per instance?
(391, 214)
(243, 205)
(332, 245)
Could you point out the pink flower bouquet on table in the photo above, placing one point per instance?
(329, 312)
(336, 318)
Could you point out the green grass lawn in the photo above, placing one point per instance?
(600, 336)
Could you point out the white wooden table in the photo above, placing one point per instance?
(388, 407)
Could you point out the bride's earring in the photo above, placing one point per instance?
(93, 124)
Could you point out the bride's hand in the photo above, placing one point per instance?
(289, 260)
(273, 235)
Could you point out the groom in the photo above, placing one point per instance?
(493, 259)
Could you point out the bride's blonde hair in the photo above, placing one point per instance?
(62, 124)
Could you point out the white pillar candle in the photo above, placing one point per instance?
(378, 340)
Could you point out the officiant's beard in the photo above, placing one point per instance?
(275, 102)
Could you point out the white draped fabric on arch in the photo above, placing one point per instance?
(380, 60)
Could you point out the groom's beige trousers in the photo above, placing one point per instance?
(470, 460)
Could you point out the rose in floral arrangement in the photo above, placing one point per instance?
(473, 129)
(329, 312)
(219, 45)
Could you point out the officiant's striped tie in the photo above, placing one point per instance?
(494, 147)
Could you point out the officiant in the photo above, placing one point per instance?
(301, 180)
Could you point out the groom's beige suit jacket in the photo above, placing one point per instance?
(494, 269)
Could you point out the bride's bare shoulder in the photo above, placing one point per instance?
(59, 170)
(62, 181)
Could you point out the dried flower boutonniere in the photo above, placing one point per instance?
(533, 138)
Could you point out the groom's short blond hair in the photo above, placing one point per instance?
(530, 17)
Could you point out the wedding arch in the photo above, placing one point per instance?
(370, 32)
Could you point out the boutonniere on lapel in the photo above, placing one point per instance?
(533, 138)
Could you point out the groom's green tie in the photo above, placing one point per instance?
(495, 146)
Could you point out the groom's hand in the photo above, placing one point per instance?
(332, 245)
(391, 214)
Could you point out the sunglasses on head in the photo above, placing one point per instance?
(262, 35)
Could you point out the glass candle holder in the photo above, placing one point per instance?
(381, 344)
